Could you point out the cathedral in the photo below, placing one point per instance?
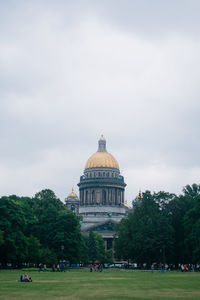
(101, 195)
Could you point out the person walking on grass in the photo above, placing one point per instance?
(91, 269)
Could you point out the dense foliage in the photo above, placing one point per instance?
(42, 229)
(95, 247)
(161, 228)
(38, 229)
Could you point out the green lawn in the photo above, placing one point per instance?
(109, 284)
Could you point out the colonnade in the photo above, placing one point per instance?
(103, 196)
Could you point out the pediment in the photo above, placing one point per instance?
(107, 226)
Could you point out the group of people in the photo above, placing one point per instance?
(55, 267)
(165, 267)
(42, 267)
(186, 268)
(96, 268)
(25, 278)
(161, 268)
(58, 268)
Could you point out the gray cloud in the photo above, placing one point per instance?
(71, 71)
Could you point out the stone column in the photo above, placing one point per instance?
(107, 196)
(81, 198)
(123, 196)
(89, 197)
(116, 199)
(84, 196)
(113, 196)
(98, 197)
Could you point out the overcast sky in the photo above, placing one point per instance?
(73, 70)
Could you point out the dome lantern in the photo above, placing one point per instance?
(102, 158)
(102, 144)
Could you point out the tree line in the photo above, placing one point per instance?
(162, 228)
(41, 229)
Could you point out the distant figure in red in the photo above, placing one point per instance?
(185, 268)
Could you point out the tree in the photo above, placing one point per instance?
(123, 241)
(191, 222)
(100, 247)
(33, 227)
(1, 238)
(84, 249)
(108, 256)
(48, 256)
(95, 247)
(66, 232)
(57, 228)
(146, 233)
(46, 198)
(33, 250)
(12, 223)
(92, 247)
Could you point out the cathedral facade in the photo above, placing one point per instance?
(101, 195)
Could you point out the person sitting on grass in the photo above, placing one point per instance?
(25, 278)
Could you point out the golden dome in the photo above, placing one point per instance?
(102, 158)
(72, 194)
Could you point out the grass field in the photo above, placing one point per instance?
(109, 284)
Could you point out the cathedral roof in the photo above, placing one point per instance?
(72, 194)
(102, 158)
